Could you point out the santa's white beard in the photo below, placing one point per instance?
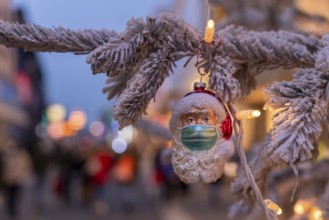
(207, 165)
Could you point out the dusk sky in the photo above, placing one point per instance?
(68, 79)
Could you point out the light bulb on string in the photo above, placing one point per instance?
(303, 206)
(316, 214)
(247, 114)
(209, 32)
(273, 206)
(299, 209)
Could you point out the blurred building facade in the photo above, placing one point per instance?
(12, 116)
(21, 92)
(30, 95)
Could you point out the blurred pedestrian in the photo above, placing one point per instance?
(66, 159)
(16, 170)
(40, 161)
(125, 173)
(98, 166)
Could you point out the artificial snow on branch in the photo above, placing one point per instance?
(116, 54)
(301, 108)
(41, 39)
(142, 87)
(221, 80)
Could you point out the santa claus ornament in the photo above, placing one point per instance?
(201, 128)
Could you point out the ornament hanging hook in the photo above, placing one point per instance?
(198, 62)
(208, 37)
(207, 40)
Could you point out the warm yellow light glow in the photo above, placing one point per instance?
(56, 112)
(247, 114)
(268, 107)
(303, 206)
(77, 120)
(211, 24)
(299, 209)
(279, 212)
(210, 32)
(271, 205)
(255, 113)
(68, 131)
(316, 214)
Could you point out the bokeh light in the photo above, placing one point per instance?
(77, 120)
(316, 214)
(56, 130)
(303, 206)
(68, 131)
(299, 208)
(56, 112)
(119, 145)
(126, 133)
(97, 128)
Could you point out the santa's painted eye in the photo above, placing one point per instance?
(206, 119)
(191, 120)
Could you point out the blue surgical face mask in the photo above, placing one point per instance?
(199, 137)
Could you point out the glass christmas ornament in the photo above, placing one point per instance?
(201, 128)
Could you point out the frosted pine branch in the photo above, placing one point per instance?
(116, 84)
(142, 87)
(272, 49)
(301, 110)
(221, 80)
(126, 58)
(41, 39)
(116, 55)
(322, 60)
(302, 106)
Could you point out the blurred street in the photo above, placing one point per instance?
(133, 203)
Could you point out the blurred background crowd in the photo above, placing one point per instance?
(58, 161)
